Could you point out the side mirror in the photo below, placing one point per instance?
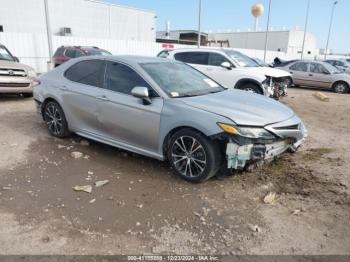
(226, 65)
(326, 72)
(16, 59)
(142, 92)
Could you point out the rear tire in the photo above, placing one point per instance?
(193, 156)
(341, 87)
(55, 120)
(252, 88)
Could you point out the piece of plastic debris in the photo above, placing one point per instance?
(101, 183)
(77, 154)
(92, 201)
(255, 228)
(270, 198)
(87, 189)
(61, 146)
(84, 142)
(138, 224)
(6, 188)
(296, 212)
(321, 96)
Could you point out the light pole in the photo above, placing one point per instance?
(48, 30)
(199, 22)
(267, 30)
(330, 29)
(305, 29)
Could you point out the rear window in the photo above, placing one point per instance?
(59, 51)
(163, 54)
(88, 72)
(198, 58)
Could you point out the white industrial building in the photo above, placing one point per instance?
(279, 41)
(78, 18)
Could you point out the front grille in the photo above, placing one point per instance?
(293, 127)
(14, 84)
(12, 72)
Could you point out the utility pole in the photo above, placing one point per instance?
(267, 30)
(199, 22)
(305, 29)
(48, 31)
(330, 29)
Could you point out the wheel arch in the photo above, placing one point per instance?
(245, 81)
(168, 136)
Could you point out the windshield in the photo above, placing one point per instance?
(180, 80)
(241, 59)
(5, 55)
(331, 69)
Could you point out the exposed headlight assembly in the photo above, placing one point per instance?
(249, 132)
(31, 73)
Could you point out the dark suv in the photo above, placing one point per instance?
(64, 53)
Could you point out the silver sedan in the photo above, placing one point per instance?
(165, 110)
(318, 74)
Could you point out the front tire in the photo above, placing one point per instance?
(341, 88)
(251, 88)
(193, 156)
(55, 120)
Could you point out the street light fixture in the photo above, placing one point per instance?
(199, 22)
(330, 29)
(267, 30)
(305, 29)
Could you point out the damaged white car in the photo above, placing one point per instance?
(232, 69)
(165, 110)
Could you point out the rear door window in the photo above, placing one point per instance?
(88, 72)
(197, 58)
(59, 51)
(302, 67)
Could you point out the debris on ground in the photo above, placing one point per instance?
(321, 96)
(296, 212)
(61, 146)
(270, 198)
(254, 228)
(87, 188)
(76, 154)
(101, 183)
(84, 142)
(92, 201)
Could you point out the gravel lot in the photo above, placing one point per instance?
(145, 209)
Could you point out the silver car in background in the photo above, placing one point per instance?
(318, 74)
(165, 110)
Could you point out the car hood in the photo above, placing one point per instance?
(14, 65)
(241, 107)
(266, 71)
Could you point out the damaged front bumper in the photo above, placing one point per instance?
(241, 152)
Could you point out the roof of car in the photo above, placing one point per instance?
(130, 59)
(202, 49)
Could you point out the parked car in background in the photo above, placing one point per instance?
(260, 62)
(165, 110)
(233, 69)
(15, 78)
(64, 53)
(318, 74)
(342, 65)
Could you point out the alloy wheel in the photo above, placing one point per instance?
(340, 88)
(53, 119)
(188, 156)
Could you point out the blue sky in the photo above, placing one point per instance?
(235, 14)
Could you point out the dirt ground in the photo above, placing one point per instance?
(146, 209)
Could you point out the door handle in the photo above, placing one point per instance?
(311, 75)
(103, 98)
(291, 73)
